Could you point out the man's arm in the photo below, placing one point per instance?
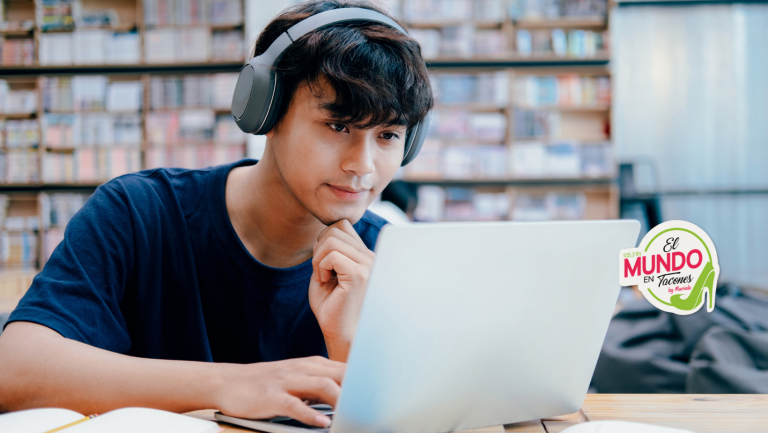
(40, 368)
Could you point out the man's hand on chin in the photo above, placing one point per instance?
(342, 264)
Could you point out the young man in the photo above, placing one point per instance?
(227, 287)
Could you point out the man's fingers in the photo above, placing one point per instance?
(336, 261)
(335, 244)
(322, 367)
(322, 389)
(344, 231)
(296, 409)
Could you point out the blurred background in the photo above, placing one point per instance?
(546, 110)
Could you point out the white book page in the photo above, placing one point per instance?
(135, 419)
(37, 420)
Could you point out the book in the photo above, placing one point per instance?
(556, 9)
(453, 10)
(567, 159)
(89, 165)
(193, 156)
(460, 204)
(116, 421)
(22, 133)
(17, 52)
(55, 15)
(17, 101)
(549, 206)
(575, 43)
(21, 166)
(169, 45)
(490, 88)
(458, 124)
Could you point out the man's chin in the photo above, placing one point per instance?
(330, 216)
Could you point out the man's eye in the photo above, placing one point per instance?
(390, 136)
(338, 127)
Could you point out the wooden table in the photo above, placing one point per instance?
(697, 412)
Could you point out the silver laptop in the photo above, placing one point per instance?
(468, 325)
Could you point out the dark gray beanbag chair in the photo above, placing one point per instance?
(649, 351)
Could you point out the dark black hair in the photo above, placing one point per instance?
(377, 72)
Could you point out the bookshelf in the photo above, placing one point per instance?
(535, 145)
(80, 104)
(490, 44)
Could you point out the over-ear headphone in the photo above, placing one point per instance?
(258, 90)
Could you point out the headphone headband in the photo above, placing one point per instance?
(258, 90)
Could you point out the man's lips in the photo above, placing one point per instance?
(347, 193)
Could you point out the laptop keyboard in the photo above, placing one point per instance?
(293, 423)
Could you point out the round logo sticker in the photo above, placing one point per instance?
(674, 267)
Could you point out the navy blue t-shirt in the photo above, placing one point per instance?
(152, 267)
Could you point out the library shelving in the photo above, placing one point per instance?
(80, 104)
(521, 127)
(158, 47)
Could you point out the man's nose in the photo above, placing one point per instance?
(358, 158)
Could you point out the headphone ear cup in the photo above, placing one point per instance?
(274, 105)
(256, 98)
(414, 139)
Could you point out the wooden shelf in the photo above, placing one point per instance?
(567, 108)
(204, 67)
(18, 115)
(454, 23)
(38, 187)
(516, 62)
(469, 141)
(92, 110)
(585, 181)
(17, 32)
(477, 107)
(566, 23)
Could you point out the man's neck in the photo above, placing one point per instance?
(272, 224)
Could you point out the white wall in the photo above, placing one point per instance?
(691, 94)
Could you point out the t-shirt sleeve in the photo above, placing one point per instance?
(78, 292)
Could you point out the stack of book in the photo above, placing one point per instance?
(573, 43)
(16, 101)
(460, 41)
(561, 160)
(194, 91)
(227, 45)
(22, 133)
(90, 165)
(97, 129)
(193, 156)
(175, 45)
(563, 90)
(89, 47)
(21, 166)
(462, 125)
(18, 250)
(569, 160)
(556, 9)
(55, 15)
(439, 160)
(174, 12)
(549, 206)
(17, 52)
(425, 11)
(91, 111)
(56, 210)
(537, 123)
(460, 204)
(490, 88)
(225, 12)
(177, 31)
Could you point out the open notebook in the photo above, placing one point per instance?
(128, 420)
